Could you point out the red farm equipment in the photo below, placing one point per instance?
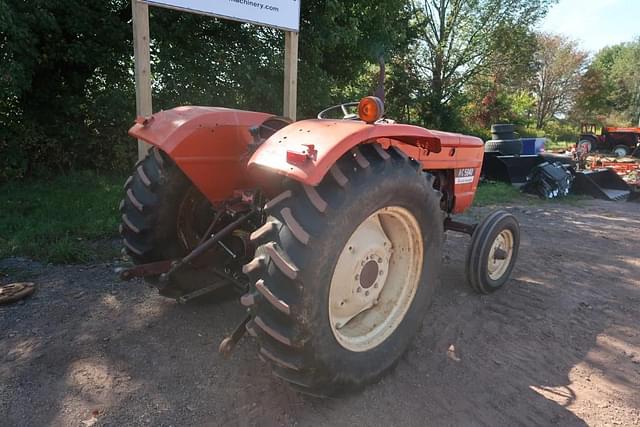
(620, 141)
(330, 229)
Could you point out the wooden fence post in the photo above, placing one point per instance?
(291, 74)
(142, 55)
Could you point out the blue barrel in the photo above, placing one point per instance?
(532, 146)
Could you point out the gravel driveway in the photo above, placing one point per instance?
(560, 345)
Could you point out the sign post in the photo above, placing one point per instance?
(290, 74)
(142, 55)
(281, 14)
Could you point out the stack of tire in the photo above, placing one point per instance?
(503, 141)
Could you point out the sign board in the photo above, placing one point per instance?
(283, 14)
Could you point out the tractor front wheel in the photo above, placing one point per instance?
(493, 252)
(345, 271)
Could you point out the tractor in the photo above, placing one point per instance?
(620, 141)
(330, 229)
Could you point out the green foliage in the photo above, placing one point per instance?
(65, 82)
(66, 85)
(610, 89)
(558, 76)
(460, 40)
(58, 220)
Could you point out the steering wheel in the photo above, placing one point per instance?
(344, 108)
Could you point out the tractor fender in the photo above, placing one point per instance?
(208, 144)
(306, 150)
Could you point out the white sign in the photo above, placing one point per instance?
(284, 14)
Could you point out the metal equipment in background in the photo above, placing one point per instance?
(602, 184)
(549, 180)
(515, 169)
(506, 161)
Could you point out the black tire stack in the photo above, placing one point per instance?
(504, 141)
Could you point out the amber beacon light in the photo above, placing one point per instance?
(370, 109)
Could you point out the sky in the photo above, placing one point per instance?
(595, 23)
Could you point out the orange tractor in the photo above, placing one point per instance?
(620, 141)
(331, 229)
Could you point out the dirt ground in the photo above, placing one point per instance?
(560, 345)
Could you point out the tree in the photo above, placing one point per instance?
(66, 86)
(610, 89)
(560, 67)
(460, 39)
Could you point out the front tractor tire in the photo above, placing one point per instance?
(345, 271)
(493, 252)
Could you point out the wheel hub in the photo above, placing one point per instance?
(364, 270)
(500, 254)
(375, 278)
(369, 274)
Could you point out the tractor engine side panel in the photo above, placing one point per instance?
(461, 157)
(469, 158)
(210, 145)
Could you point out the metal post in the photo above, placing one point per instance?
(142, 55)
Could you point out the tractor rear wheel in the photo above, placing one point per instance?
(345, 271)
(164, 216)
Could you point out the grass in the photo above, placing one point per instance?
(61, 220)
(499, 193)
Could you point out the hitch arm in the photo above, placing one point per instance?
(459, 227)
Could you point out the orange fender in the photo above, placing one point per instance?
(306, 150)
(208, 144)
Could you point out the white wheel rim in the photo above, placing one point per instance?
(375, 279)
(620, 152)
(500, 255)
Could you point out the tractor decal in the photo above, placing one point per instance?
(465, 176)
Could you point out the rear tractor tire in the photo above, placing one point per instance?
(493, 252)
(163, 217)
(345, 271)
